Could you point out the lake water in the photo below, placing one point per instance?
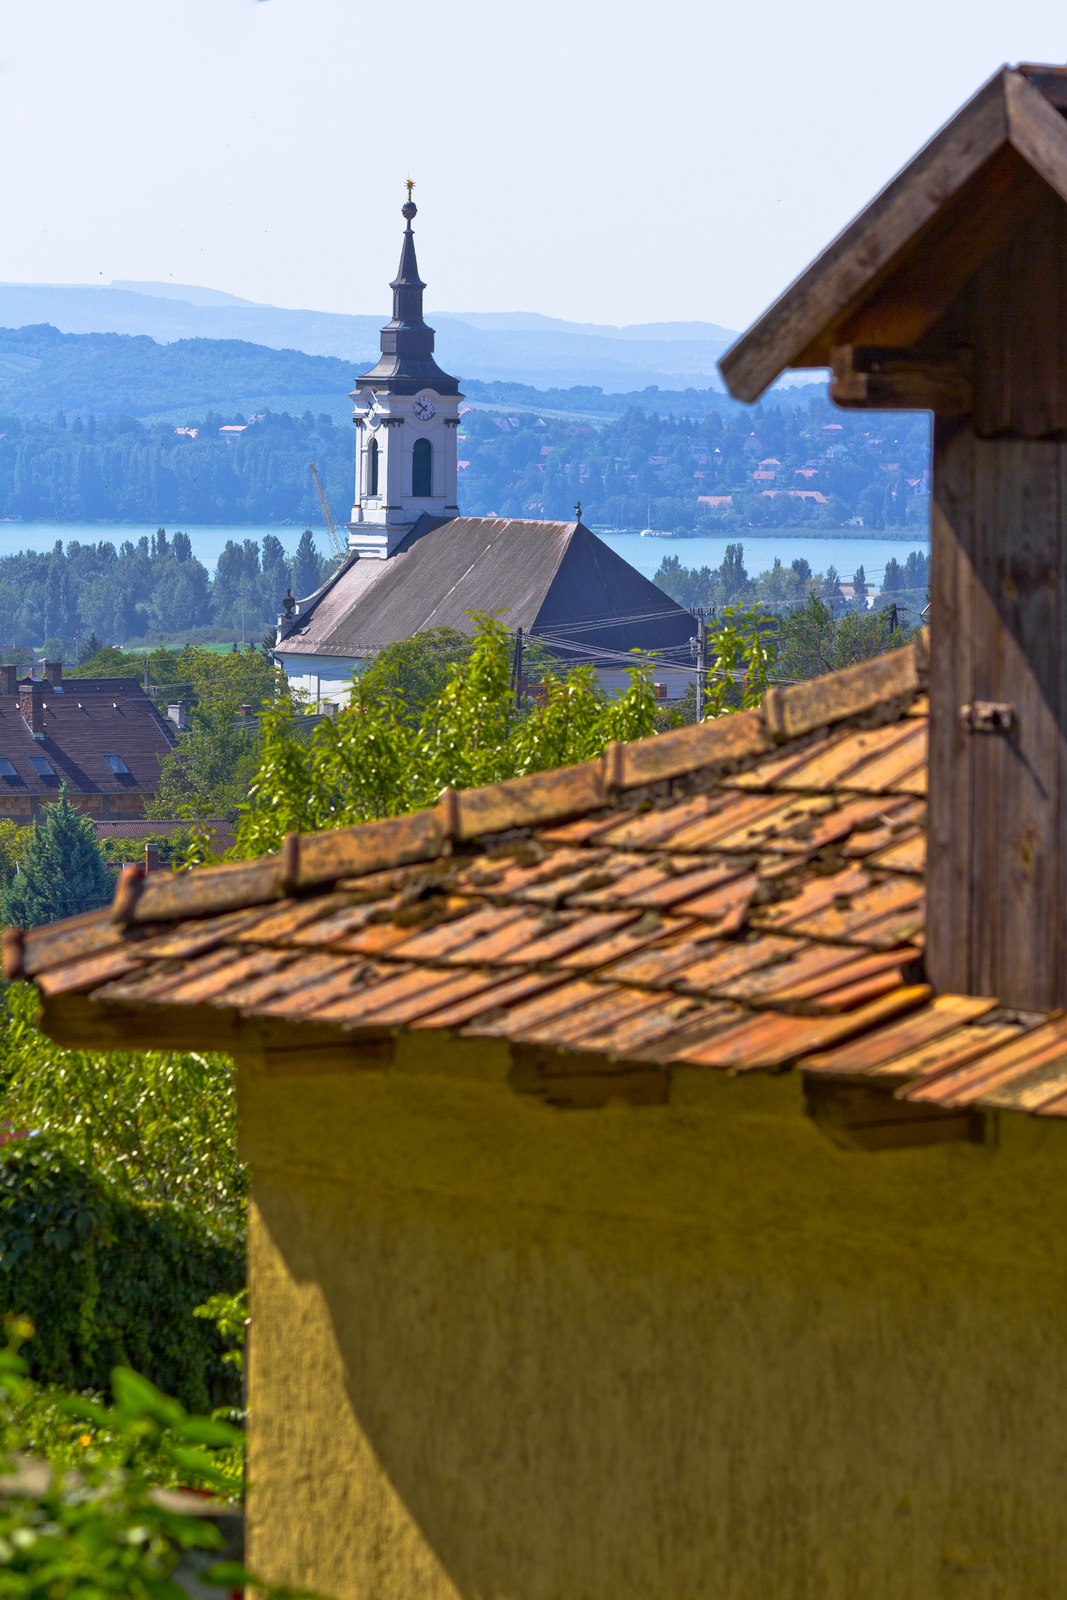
(845, 553)
(208, 542)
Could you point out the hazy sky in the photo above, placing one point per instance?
(606, 162)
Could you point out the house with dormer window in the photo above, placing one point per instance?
(102, 737)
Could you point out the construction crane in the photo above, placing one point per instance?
(338, 539)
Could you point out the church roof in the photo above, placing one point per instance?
(551, 578)
(736, 896)
(896, 268)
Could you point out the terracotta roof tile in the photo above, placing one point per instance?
(741, 895)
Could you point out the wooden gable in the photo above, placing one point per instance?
(893, 273)
(949, 293)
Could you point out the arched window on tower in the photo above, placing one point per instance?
(372, 467)
(422, 470)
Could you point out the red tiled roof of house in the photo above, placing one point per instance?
(89, 721)
(740, 895)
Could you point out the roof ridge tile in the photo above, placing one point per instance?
(851, 691)
(311, 860)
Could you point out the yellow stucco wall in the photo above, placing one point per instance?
(510, 1353)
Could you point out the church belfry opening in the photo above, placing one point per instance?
(422, 469)
(406, 411)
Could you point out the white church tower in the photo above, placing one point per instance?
(407, 417)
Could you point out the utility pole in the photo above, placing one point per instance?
(517, 668)
(702, 661)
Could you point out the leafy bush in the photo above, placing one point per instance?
(105, 1528)
(375, 759)
(109, 1279)
(123, 1211)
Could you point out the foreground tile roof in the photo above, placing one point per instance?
(739, 895)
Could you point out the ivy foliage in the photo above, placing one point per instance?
(121, 1211)
(110, 1280)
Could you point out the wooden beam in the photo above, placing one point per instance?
(849, 268)
(857, 1114)
(869, 377)
(281, 1048)
(975, 224)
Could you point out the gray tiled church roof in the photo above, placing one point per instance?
(540, 576)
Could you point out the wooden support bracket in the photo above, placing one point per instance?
(882, 378)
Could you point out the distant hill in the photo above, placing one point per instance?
(519, 347)
(44, 371)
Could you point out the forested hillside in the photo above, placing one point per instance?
(120, 374)
(106, 374)
(116, 469)
(787, 462)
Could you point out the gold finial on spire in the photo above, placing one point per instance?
(411, 184)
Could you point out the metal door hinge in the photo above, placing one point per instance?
(987, 716)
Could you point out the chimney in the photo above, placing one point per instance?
(244, 711)
(176, 713)
(9, 680)
(31, 704)
(53, 671)
(151, 858)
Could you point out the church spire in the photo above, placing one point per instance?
(406, 363)
(407, 286)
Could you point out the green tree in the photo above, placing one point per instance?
(743, 661)
(871, 506)
(107, 662)
(61, 871)
(732, 574)
(371, 760)
(414, 671)
(893, 578)
(307, 566)
(209, 772)
(811, 641)
(14, 838)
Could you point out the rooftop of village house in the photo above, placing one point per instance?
(740, 895)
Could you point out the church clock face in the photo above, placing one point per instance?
(424, 408)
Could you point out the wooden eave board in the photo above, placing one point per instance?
(799, 328)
